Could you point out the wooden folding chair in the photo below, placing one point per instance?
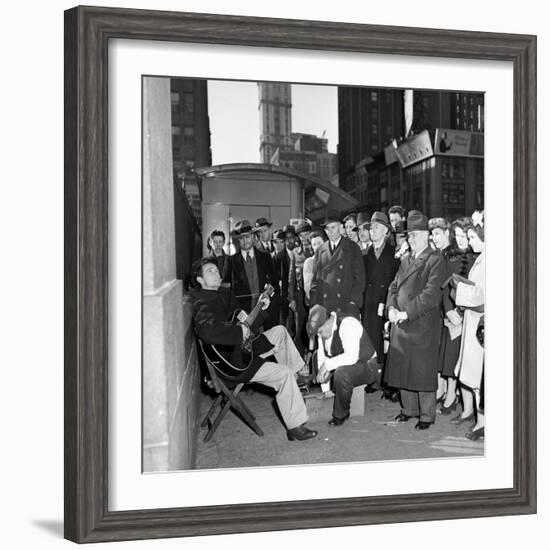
(227, 398)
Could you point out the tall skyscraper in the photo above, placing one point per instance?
(275, 106)
(279, 145)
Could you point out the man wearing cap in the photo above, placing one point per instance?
(345, 351)
(262, 229)
(380, 269)
(338, 280)
(413, 310)
(250, 271)
(296, 294)
(211, 308)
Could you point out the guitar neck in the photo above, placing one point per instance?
(258, 307)
(251, 317)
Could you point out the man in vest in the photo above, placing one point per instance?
(345, 352)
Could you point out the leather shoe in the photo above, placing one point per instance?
(402, 417)
(372, 388)
(337, 421)
(422, 425)
(474, 435)
(300, 433)
(448, 410)
(458, 419)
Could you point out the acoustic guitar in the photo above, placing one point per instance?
(233, 361)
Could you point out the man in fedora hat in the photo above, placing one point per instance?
(363, 232)
(344, 351)
(250, 271)
(262, 229)
(380, 269)
(339, 276)
(413, 311)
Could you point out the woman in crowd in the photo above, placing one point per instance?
(470, 295)
(350, 223)
(440, 237)
(452, 241)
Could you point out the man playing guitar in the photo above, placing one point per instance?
(212, 309)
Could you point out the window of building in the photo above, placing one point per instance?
(175, 97)
(176, 131)
(189, 131)
(189, 103)
(374, 97)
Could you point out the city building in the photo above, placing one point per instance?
(385, 159)
(190, 136)
(190, 150)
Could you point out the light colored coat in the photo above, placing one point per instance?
(469, 367)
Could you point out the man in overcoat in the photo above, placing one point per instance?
(338, 275)
(250, 271)
(413, 310)
(380, 269)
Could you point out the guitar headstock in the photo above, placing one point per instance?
(268, 291)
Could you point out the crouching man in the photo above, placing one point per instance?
(345, 352)
(211, 310)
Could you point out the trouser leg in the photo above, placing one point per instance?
(345, 378)
(409, 400)
(301, 318)
(284, 348)
(289, 399)
(427, 402)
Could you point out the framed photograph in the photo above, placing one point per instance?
(440, 121)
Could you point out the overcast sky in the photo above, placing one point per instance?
(235, 121)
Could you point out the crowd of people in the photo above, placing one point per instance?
(391, 301)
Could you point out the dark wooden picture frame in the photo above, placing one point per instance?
(87, 34)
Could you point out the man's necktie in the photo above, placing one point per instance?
(248, 257)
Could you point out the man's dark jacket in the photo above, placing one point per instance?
(212, 310)
(339, 278)
(266, 275)
(379, 273)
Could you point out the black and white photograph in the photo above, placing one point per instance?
(313, 274)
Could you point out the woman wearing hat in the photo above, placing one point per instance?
(469, 368)
(458, 259)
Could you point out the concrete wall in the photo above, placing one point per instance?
(170, 368)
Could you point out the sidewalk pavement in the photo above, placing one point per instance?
(374, 436)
